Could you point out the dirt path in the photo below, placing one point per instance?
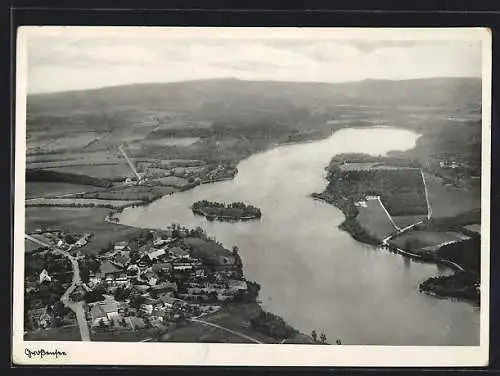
(429, 207)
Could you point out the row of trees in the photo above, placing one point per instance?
(272, 325)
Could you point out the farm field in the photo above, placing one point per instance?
(417, 240)
(80, 202)
(132, 193)
(173, 181)
(67, 333)
(30, 246)
(38, 189)
(124, 335)
(449, 201)
(374, 220)
(84, 157)
(114, 172)
(70, 163)
(80, 220)
(476, 227)
(171, 141)
(197, 332)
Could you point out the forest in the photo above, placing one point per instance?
(236, 210)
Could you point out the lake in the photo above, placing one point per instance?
(313, 274)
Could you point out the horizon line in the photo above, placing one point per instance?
(245, 80)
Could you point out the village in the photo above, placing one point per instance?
(160, 279)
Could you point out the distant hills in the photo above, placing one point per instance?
(232, 119)
(208, 98)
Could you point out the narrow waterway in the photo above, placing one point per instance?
(312, 274)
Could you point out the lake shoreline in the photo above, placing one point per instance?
(361, 234)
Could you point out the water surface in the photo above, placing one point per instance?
(312, 274)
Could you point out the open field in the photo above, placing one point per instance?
(374, 220)
(67, 333)
(114, 172)
(70, 157)
(30, 246)
(80, 202)
(172, 181)
(197, 332)
(80, 220)
(449, 201)
(75, 141)
(171, 141)
(132, 193)
(123, 335)
(48, 189)
(417, 240)
(476, 227)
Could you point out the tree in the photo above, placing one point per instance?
(314, 335)
(322, 338)
(123, 322)
(235, 250)
(102, 324)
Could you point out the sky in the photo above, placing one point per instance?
(62, 63)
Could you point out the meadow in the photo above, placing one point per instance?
(374, 220)
(80, 221)
(418, 240)
(50, 189)
(81, 202)
(448, 201)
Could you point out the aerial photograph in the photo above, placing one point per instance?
(253, 189)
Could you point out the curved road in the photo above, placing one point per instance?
(76, 307)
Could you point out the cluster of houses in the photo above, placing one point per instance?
(170, 282)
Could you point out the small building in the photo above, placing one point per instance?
(162, 267)
(80, 242)
(122, 258)
(97, 314)
(41, 317)
(154, 255)
(147, 308)
(44, 276)
(120, 246)
(236, 285)
(164, 287)
(179, 253)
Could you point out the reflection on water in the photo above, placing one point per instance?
(312, 274)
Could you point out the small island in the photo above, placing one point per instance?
(230, 212)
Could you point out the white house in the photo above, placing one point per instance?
(155, 254)
(44, 276)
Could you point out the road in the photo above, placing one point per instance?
(429, 207)
(388, 215)
(226, 329)
(76, 307)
